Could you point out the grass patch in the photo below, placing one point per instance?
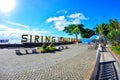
(116, 49)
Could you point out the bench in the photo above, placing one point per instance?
(18, 52)
(34, 51)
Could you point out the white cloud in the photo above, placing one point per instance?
(3, 26)
(18, 24)
(60, 18)
(78, 16)
(61, 21)
(6, 28)
(14, 34)
(62, 11)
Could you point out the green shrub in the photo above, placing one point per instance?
(43, 47)
(51, 47)
(116, 49)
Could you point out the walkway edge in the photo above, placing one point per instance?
(90, 72)
(117, 60)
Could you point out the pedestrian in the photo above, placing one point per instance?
(99, 47)
(89, 45)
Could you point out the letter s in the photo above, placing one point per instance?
(24, 38)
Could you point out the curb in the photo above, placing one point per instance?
(112, 53)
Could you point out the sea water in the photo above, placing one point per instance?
(86, 40)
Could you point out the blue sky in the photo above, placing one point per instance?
(48, 17)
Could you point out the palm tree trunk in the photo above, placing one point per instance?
(77, 39)
(105, 41)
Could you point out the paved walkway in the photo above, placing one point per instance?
(109, 67)
(74, 63)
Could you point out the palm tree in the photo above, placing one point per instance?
(87, 33)
(70, 29)
(99, 29)
(74, 29)
(114, 24)
(81, 29)
(109, 31)
(113, 35)
(114, 31)
(102, 30)
(67, 30)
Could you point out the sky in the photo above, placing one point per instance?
(49, 17)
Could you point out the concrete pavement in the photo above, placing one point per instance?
(74, 63)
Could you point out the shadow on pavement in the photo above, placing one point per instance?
(107, 71)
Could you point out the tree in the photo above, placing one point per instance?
(102, 30)
(110, 31)
(74, 29)
(87, 33)
(114, 24)
(98, 29)
(112, 36)
(68, 29)
(81, 29)
(114, 31)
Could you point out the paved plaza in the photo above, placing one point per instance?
(75, 63)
